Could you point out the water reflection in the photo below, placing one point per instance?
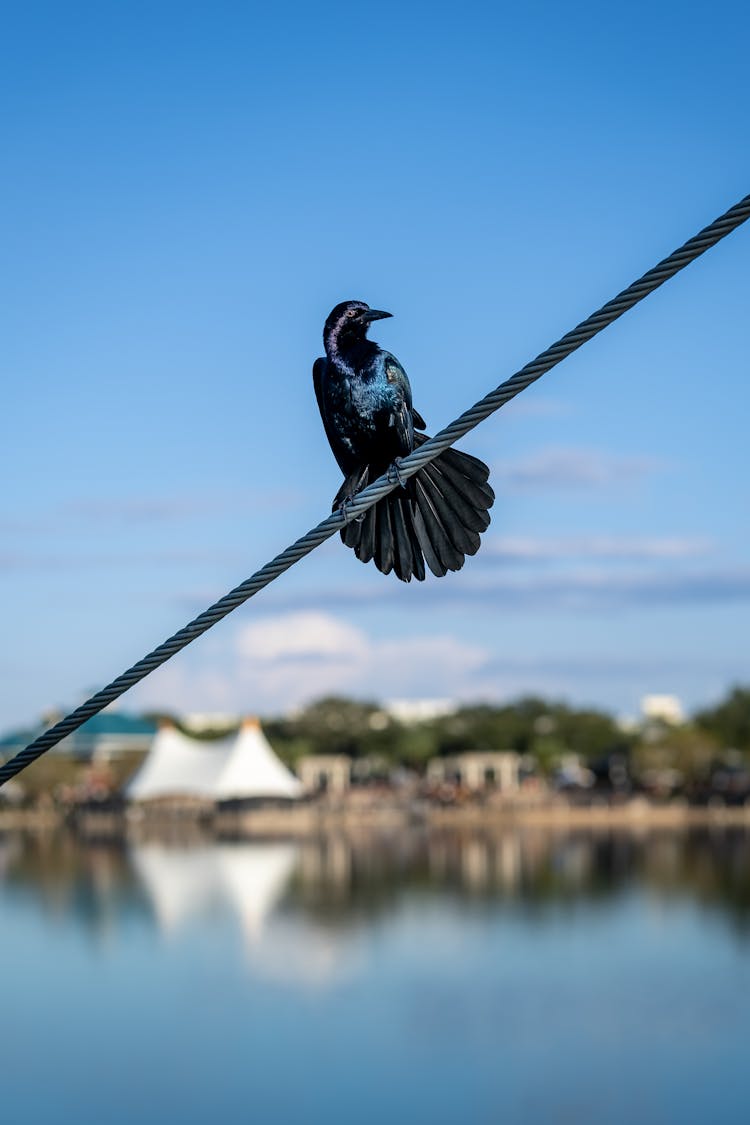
(513, 977)
(246, 880)
(343, 881)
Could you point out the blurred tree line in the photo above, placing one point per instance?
(715, 739)
(545, 729)
(530, 725)
(729, 722)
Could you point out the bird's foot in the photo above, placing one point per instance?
(345, 507)
(394, 475)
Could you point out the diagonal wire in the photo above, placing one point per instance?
(369, 496)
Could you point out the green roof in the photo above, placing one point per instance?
(109, 725)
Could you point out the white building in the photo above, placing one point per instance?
(664, 708)
(477, 769)
(410, 712)
(325, 773)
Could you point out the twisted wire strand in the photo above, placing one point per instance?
(379, 488)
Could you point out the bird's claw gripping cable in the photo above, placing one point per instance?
(394, 474)
(345, 507)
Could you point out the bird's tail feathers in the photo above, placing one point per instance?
(435, 520)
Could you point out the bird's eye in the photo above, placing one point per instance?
(352, 312)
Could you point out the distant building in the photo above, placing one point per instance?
(325, 773)
(663, 708)
(478, 769)
(571, 773)
(16, 740)
(108, 735)
(413, 711)
(202, 721)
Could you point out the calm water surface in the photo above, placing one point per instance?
(515, 978)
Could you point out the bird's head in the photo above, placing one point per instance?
(348, 323)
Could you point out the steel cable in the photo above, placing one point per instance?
(369, 496)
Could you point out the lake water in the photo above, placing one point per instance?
(522, 977)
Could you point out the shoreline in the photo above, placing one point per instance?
(309, 820)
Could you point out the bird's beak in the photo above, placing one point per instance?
(375, 314)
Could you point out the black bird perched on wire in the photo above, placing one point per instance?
(364, 399)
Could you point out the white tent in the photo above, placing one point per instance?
(236, 768)
(253, 770)
(178, 766)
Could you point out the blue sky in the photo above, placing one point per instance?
(189, 189)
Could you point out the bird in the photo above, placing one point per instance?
(435, 518)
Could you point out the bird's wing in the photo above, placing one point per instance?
(400, 417)
(318, 371)
(403, 417)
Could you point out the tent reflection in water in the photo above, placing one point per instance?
(185, 884)
(240, 768)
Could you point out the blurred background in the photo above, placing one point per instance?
(502, 870)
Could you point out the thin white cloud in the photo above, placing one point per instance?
(524, 549)
(149, 510)
(530, 406)
(656, 573)
(135, 510)
(40, 562)
(596, 588)
(563, 468)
